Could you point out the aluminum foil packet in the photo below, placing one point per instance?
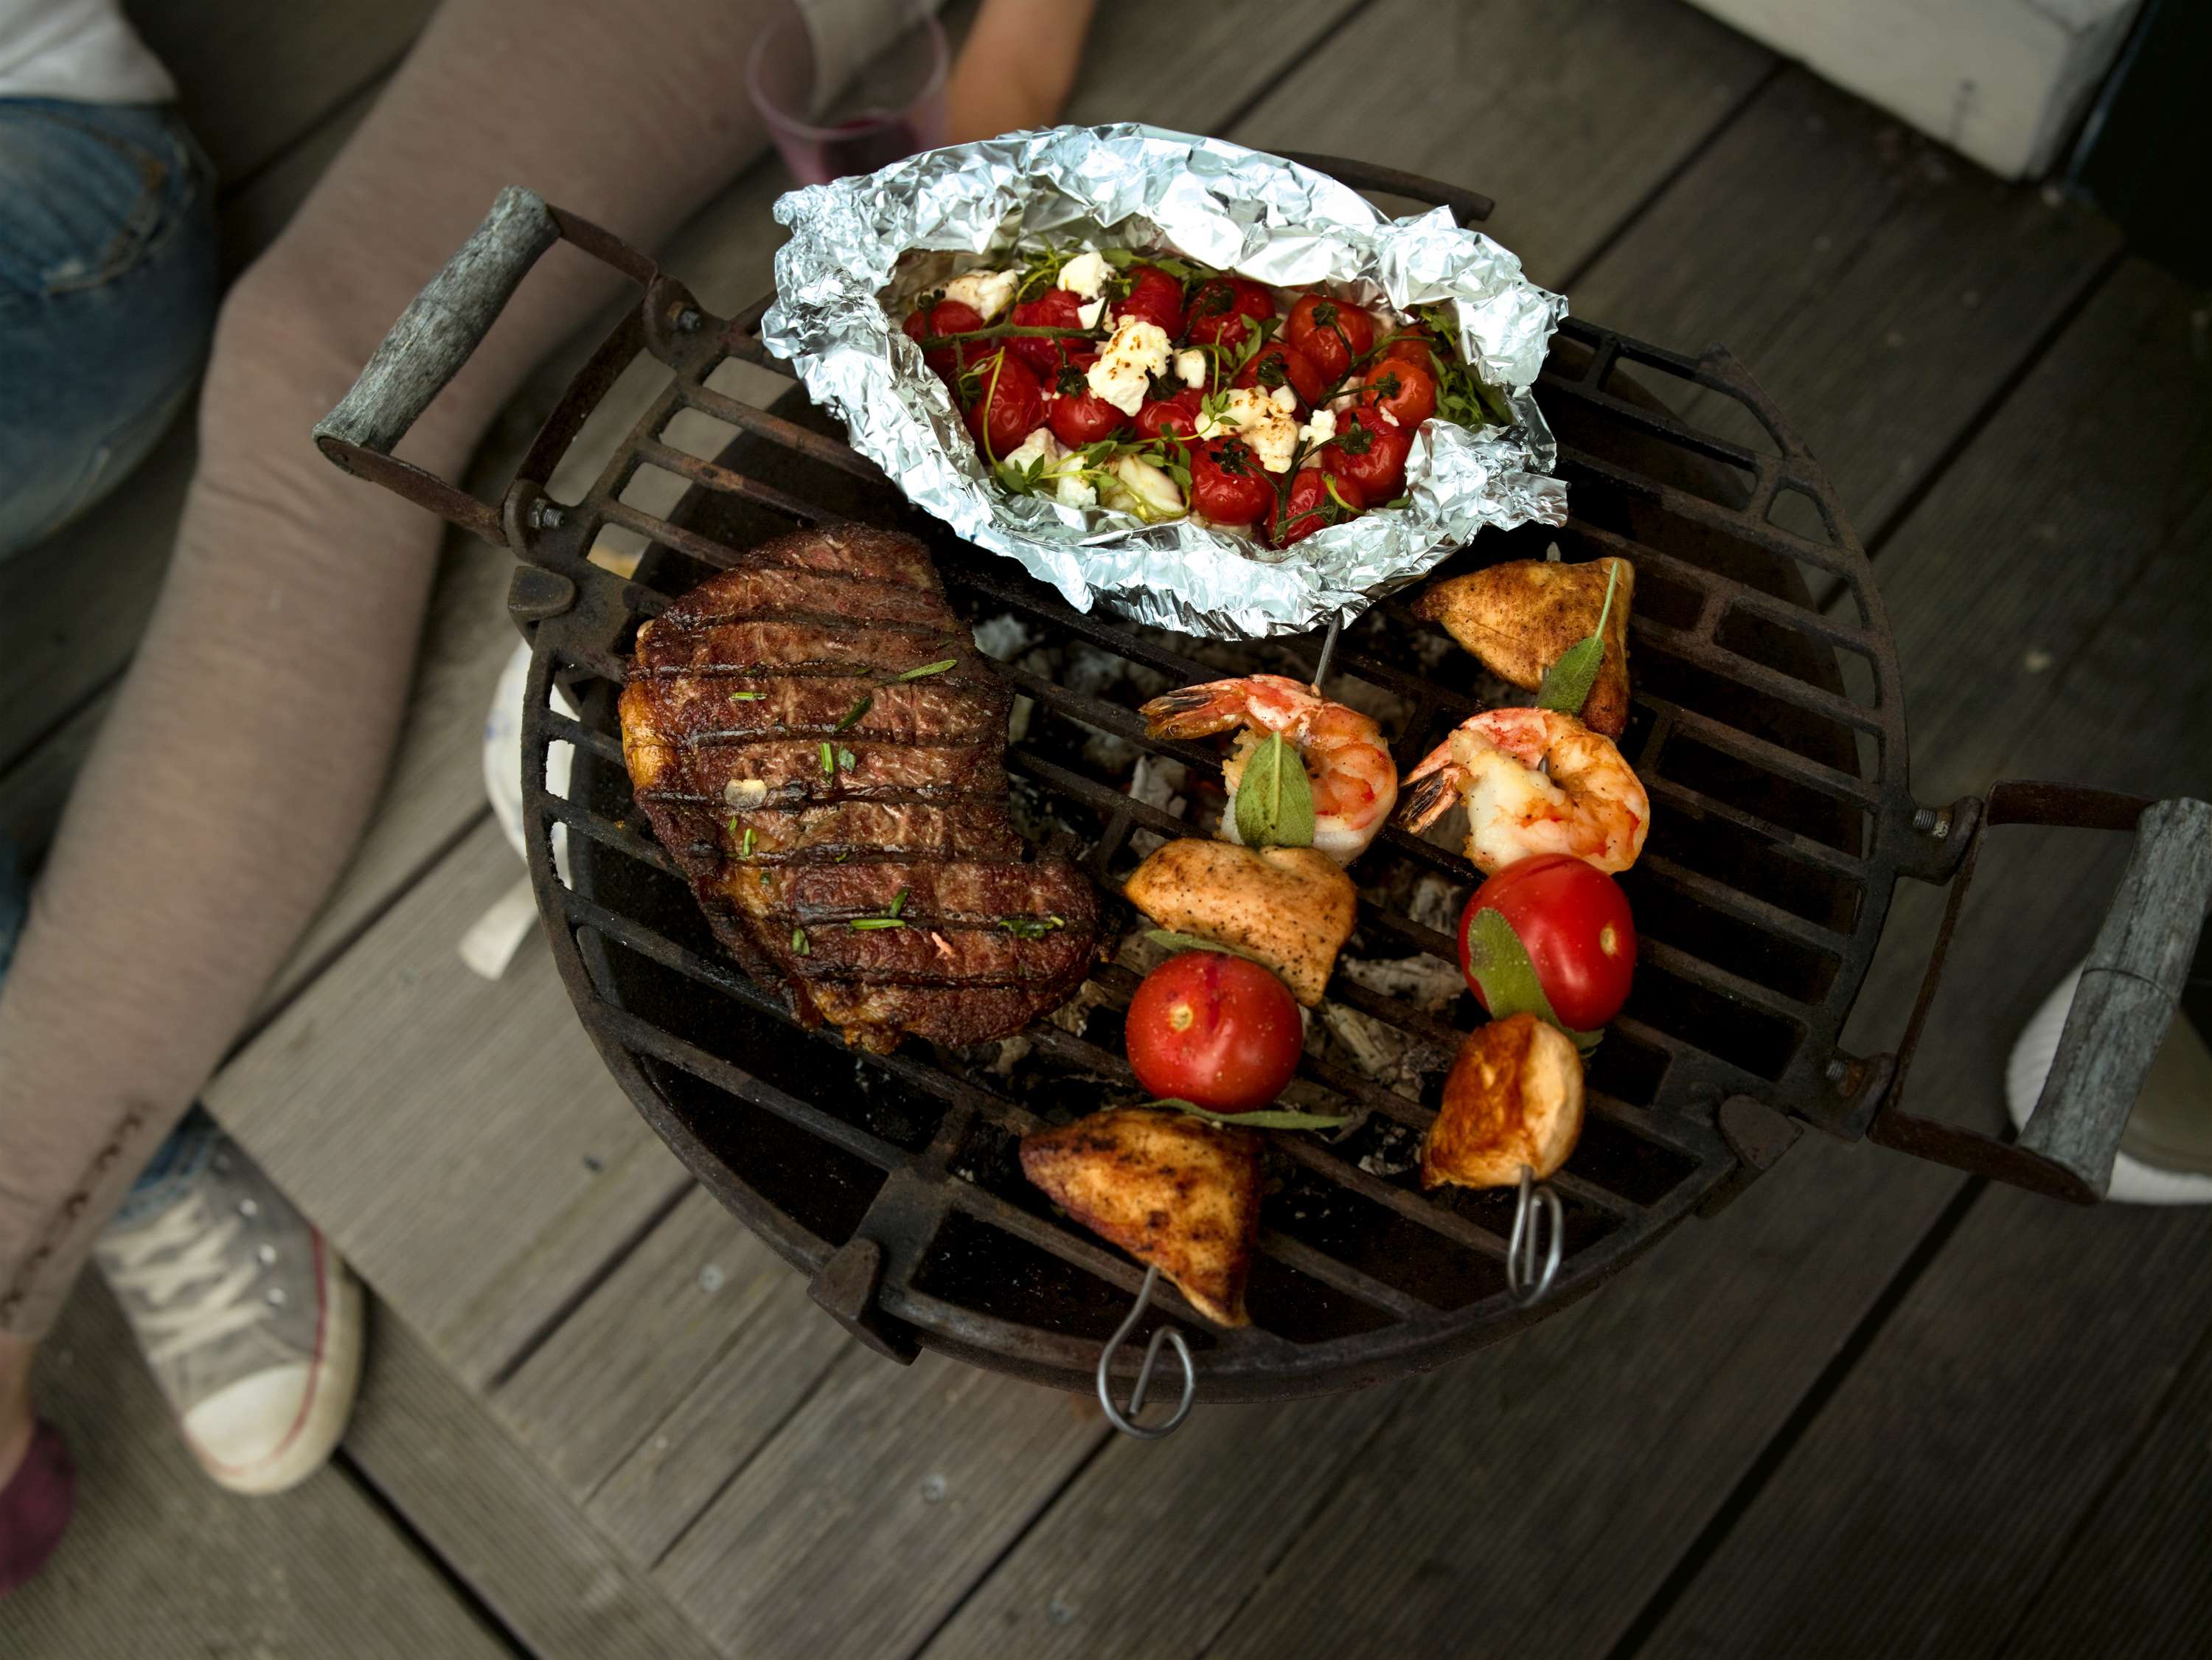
(862, 248)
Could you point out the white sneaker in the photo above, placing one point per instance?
(250, 1322)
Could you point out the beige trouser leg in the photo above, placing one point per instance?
(254, 729)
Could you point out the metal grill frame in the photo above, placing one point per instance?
(1724, 1120)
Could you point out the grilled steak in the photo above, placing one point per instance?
(821, 748)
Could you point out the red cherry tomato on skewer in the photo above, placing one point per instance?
(1574, 923)
(1218, 1031)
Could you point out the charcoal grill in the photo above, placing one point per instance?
(1768, 727)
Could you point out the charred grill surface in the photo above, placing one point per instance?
(820, 748)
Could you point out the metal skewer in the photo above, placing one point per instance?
(1527, 1281)
(1114, 1415)
(1327, 650)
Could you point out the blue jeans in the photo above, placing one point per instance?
(108, 285)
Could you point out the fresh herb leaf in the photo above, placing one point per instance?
(829, 766)
(798, 935)
(733, 831)
(747, 696)
(846, 759)
(898, 903)
(1275, 800)
(1283, 1119)
(1169, 940)
(1496, 957)
(1567, 684)
(1030, 927)
(877, 922)
(929, 668)
(853, 714)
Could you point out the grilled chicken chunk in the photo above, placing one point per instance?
(818, 745)
(1519, 617)
(1171, 1189)
(1293, 908)
(1514, 1096)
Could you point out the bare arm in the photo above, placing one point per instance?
(1016, 66)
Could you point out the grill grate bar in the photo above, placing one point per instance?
(1803, 619)
(1341, 1276)
(1744, 907)
(1302, 1150)
(587, 823)
(642, 1038)
(777, 430)
(1707, 515)
(1782, 687)
(1682, 797)
(1686, 965)
(606, 745)
(1769, 757)
(718, 478)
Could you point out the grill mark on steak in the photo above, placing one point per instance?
(785, 857)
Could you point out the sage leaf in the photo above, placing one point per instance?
(928, 668)
(1284, 1118)
(1567, 684)
(1499, 963)
(1275, 801)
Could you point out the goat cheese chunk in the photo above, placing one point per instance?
(1190, 367)
(1133, 355)
(1087, 314)
(989, 292)
(1140, 488)
(1255, 416)
(1285, 400)
(1039, 446)
(1320, 429)
(1085, 276)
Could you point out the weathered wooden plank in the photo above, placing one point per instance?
(856, 1530)
(1941, 1480)
(1612, 1433)
(487, 1507)
(458, 1137)
(1569, 114)
(1880, 290)
(604, 1385)
(160, 1561)
(2135, 1579)
(252, 80)
(773, 1364)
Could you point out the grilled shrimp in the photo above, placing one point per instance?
(1355, 781)
(1534, 781)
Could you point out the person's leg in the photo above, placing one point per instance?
(107, 294)
(252, 732)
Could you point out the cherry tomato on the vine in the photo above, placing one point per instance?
(1218, 1031)
(1228, 485)
(1155, 296)
(1157, 417)
(1219, 308)
(1370, 453)
(1078, 415)
(1056, 308)
(945, 317)
(1574, 923)
(1313, 505)
(1330, 333)
(1009, 405)
(1402, 390)
(1278, 365)
(1416, 346)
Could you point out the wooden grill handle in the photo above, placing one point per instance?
(2128, 993)
(440, 327)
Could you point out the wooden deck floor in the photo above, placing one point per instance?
(1873, 1408)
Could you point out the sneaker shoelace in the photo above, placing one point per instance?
(173, 1323)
